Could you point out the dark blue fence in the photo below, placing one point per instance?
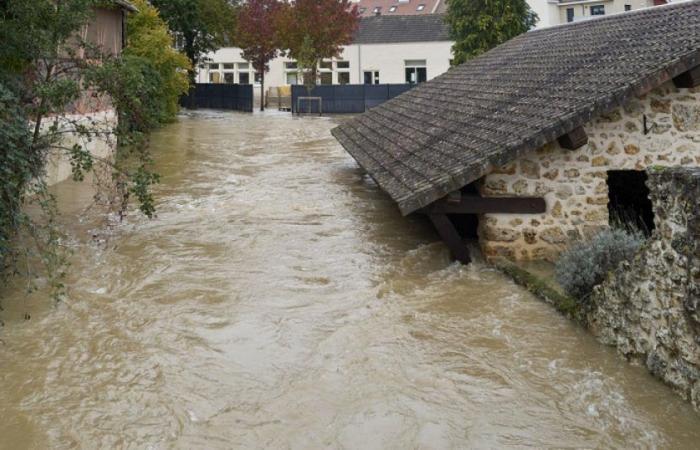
(236, 97)
(345, 98)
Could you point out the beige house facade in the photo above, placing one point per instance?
(107, 32)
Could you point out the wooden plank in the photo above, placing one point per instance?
(689, 79)
(473, 204)
(450, 237)
(574, 139)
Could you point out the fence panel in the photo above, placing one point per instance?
(398, 89)
(345, 98)
(235, 97)
(375, 94)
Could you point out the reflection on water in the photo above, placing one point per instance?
(281, 301)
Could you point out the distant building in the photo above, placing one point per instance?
(386, 49)
(550, 12)
(556, 12)
(368, 8)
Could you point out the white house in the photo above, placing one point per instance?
(557, 12)
(386, 49)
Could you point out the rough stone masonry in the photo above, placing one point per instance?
(661, 128)
(649, 307)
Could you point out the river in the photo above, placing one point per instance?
(279, 300)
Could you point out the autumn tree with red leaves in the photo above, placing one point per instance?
(314, 30)
(258, 37)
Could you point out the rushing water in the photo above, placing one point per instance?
(279, 300)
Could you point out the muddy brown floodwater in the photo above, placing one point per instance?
(280, 301)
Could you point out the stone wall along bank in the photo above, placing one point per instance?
(649, 307)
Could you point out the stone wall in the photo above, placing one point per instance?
(574, 182)
(649, 307)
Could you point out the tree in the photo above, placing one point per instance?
(314, 30)
(148, 38)
(257, 36)
(44, 78)
(477, 26)
(201, 26)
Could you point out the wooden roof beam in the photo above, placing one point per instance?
(473, 204)
(689, 79)
(574, 139)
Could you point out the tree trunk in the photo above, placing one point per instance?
(191, 101)
(262, 90)
(192, 72)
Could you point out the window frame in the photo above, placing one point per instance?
(600, 8)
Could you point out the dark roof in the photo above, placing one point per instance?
(452, 130)
(396, 29)
(125, 4)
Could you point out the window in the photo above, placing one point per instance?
(292, 78)
(258, 77)
(228, 77)
(377, 10)
(404, 1)
(628, 197)
(628, 7)
(420, 7)
(328, 65)
(243, 66)
(228, 66)
(213, 66)
(598, 10)
(214, 77)
(416, 71)
(342, 64)
(326, 78)
(290, 65)
(392, 9)
(371, 77)
(243, 78)
(569, 14)
(343, 77)
(362, 10)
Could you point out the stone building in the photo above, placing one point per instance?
(545, 138)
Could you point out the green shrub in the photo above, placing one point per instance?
(585, 264)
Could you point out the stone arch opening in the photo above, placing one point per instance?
(629, 201)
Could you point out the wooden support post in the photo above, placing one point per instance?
(451, 237)
(689, 79)
(574, 139)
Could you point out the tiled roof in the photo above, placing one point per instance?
(125, 4)
(400, 7)
(395, 29)
(452, 130)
